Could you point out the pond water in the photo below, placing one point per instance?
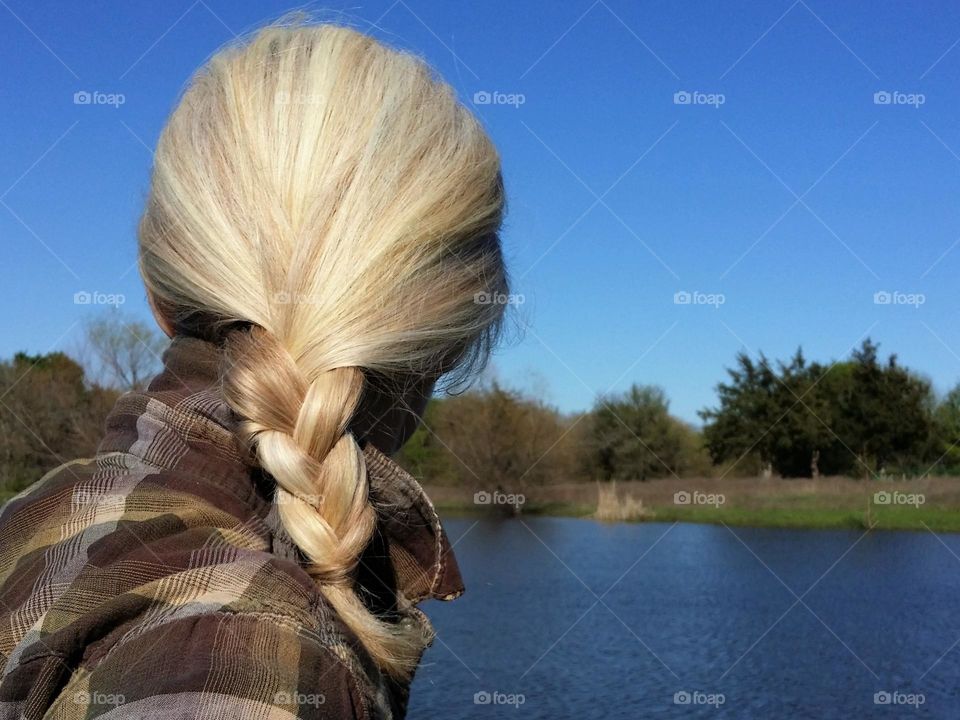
(568, 618)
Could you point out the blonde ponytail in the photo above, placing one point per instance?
(325, 208)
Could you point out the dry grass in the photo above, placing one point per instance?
(747, 493)
(825, 502)
(619, 507)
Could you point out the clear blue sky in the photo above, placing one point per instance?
(796, 199)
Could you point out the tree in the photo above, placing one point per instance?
(749, 408)
(126, 353)
(425, 455)
(501, 438)
(947, 424)
(48, 415)
(805, 419)
(492, 438)
(827, 398)
(888, 411)
(634, 437)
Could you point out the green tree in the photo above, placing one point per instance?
(634, 437)
(425, 455)
(888, 418)
(947, 423)
(804, 418)
(749, 407)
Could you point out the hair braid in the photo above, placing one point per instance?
(298, 430)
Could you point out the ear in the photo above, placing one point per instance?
(165, 325)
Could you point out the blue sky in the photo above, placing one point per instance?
(783, 197)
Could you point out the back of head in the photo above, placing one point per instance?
(325, 208)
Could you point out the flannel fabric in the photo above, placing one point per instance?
(155, 579)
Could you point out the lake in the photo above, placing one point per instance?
(567, 618)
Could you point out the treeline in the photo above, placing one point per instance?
(864, 416)
(494, 437)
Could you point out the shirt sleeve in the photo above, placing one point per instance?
(215, 666)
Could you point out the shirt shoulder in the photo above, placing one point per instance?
(216, 666)
(138, 583)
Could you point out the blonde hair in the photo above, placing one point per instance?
(325, 208)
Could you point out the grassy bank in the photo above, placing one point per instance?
(929, 503)
(747, 502)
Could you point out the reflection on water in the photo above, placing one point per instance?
(572, 618)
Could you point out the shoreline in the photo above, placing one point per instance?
(930, 503)
(841, 505)
(924, 519)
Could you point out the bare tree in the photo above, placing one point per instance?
(502, 439)
(123, 353)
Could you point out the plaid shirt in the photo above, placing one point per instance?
(156, 579)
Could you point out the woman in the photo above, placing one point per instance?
(322, 218)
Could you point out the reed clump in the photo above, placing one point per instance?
(613, 506)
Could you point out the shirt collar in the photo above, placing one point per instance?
(184, 404)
